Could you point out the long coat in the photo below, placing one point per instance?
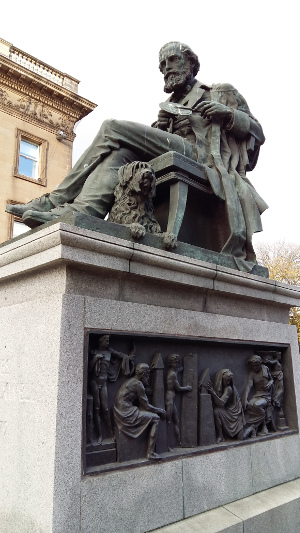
(227, 152)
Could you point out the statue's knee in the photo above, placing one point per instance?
(109, 124)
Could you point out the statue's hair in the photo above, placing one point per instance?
(131, 206)
(219, 379)
(172, 356)
(187, 52)
(140, 368)
(102, 336)
(227, 372)
(254, 359)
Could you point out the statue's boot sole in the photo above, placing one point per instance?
(13, 210)
(34, 218)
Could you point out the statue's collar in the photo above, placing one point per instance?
(195, 94)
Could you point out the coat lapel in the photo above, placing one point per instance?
(195, 95)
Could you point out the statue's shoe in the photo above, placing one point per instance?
(153, 456)
(38, 204)
(36, 218)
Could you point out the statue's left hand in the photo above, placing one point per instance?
(268, 385)
(210, 109)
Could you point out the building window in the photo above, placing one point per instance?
(31, 158)
(15, 225)
(18, 227)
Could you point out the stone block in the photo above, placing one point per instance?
(214, 479)
(216, 521)
(101, 457)
(132, 501)
(270, 463)
(128, 448)
(270, 511)
(206, 423)
(189, 404)
(47, 308)
(276, 510)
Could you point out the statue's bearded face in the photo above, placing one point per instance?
(176, 69)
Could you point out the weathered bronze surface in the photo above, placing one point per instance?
(132, 419)
(210, 125)
(172, 386)
(228, 411)
(133, 205)
(259, 407)
(139, 407)
(105, 364)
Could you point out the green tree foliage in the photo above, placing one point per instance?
(283, 261)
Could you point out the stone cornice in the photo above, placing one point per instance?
(39, 101)
(61, 243)
(23, 80)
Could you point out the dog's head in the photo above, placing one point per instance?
(138, 177)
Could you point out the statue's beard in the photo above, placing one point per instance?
(145, 381)
(176, 80)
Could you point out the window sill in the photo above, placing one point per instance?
(39, 181)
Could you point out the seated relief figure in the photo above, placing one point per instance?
(220, 133)
(259, 407)
(228, 411)
(133, 412)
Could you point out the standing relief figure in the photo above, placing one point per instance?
(172, 386)
(228, 411)
(105, 364)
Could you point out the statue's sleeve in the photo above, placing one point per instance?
(243, 123)
(243, 126)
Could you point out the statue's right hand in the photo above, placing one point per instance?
(162, 413)
(163, 119)
(209, 386)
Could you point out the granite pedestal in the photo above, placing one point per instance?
(61, 281)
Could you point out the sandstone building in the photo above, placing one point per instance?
(39, 107)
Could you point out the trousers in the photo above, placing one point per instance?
(89, 187)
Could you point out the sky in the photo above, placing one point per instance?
(112, 48)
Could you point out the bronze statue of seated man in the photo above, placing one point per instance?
(212, 125)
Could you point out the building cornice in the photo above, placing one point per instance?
(40, 101)
(23, 80)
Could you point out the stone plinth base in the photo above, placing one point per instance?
(273, 510)
(62, 281)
